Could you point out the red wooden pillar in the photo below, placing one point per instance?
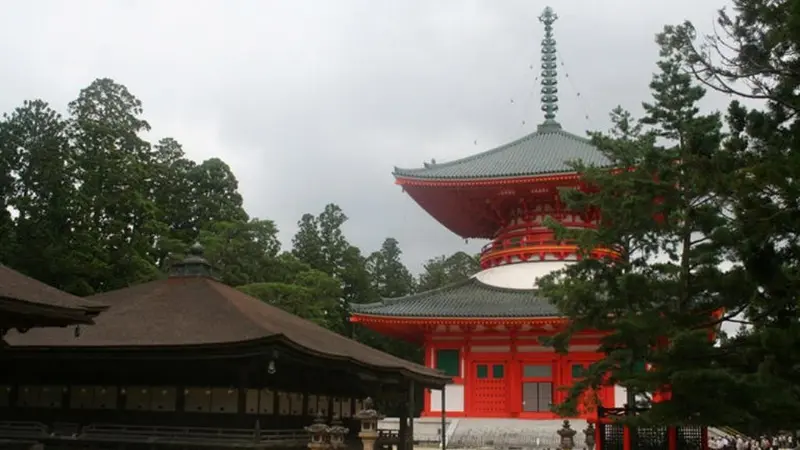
(704, 437)
(467, 376)
(598, 433)
(428, 348)
(626, 438)
(672, 438)
(514, 378)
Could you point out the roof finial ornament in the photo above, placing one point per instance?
(193, 265)
(549, 73)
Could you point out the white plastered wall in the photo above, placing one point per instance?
(454, 398)
(521, 275)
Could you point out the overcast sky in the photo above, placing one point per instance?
(312, 102)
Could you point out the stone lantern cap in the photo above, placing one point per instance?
(318, 425)
(369, 412)
(337, 428)
(566, 430)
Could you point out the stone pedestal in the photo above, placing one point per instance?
(337, 432)
(567, 435)
(369, 424)
(589, 432)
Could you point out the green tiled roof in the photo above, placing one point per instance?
(548, 150)
(470, 298)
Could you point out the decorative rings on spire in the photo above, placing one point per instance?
(549, 74)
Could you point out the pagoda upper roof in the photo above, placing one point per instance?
(465, 299)
(43, 304)
(546, 151)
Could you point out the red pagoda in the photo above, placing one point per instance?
(484, 332)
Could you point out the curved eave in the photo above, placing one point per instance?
(80, 314)
(415, 320)
(425, 375)
(421, 181)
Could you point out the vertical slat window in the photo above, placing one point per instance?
(545, 396)
(530, 397)
(537, 397)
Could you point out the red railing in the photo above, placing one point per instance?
(522, 241)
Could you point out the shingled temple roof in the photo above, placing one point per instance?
(469, 298)
(23, 295)
(192, 309)
(548, 150)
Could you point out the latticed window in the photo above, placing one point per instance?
(448, 361)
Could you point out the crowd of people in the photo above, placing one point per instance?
(778, 442)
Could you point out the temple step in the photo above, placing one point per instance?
(507, 434)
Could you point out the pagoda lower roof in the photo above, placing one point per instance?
(466, 299)
(549, 150)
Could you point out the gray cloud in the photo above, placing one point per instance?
(314, 101)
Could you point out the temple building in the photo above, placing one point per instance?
(484, 332)
(189, 362)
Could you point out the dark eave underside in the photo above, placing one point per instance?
(548, 150)
(470, 298)
(21, 294)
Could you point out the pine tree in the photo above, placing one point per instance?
(755, 56)
(663, 215)
(390, 277)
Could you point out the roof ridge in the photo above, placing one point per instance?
(219, 288)
(399, 170)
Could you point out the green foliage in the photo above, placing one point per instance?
(444, 270)
(320, 243)
(390, 277)
(728, 238)
(755, 57)
(301, 300)
(92, 206)
(36, 181)
(666, 220)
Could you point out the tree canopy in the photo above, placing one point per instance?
(703, 218)
(92, 206)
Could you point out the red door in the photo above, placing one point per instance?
(489, 389)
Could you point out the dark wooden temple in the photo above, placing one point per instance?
(190, 362)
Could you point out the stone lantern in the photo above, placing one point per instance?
(369, 424)
(567, 435)
(337, 432)
(318, 433)
(589, 432)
